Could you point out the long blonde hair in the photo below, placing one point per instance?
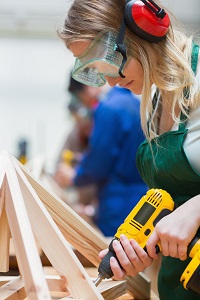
(166, 64)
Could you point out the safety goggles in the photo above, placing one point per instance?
(100, 59)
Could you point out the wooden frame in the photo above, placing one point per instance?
(29, 213)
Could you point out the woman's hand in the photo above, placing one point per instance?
(175, 231)
(131, 256)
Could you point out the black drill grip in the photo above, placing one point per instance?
(104, 267)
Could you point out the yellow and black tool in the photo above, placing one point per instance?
(139, 225)
(70, 158)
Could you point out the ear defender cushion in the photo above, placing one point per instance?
(144, 22)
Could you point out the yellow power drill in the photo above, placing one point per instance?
(139, 225)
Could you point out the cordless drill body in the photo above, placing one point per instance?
(139, 224)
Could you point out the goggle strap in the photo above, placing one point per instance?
(122, 50)
(120, 47)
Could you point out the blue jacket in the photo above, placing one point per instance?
(110, 159)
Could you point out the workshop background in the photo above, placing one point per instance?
(34, 73)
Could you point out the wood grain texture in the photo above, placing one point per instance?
(79, 233)
(12, 289)
(32, 211)
(55, 246)
(23, 239)
(4, 235)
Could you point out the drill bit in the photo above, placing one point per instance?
(98, 280)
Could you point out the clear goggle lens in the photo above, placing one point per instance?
(99, 60)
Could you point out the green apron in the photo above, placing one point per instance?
(169, 169)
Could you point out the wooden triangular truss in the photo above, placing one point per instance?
(28, 212)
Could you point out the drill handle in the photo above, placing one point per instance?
(104, 267)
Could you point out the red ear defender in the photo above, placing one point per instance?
(147, 20)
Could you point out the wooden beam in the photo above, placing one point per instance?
(55, 246)
(3, 161)
(56, 286)
(78, 232)
(13, 289)
(140, 287)
(4, 235)
(112, 289)
(26, 251)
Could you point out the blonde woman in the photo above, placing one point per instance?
(135, 45)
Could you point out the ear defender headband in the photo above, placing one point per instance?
(147, 20)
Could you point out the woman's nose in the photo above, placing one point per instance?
(112, 81)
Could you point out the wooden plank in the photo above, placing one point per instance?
(78, 232)
(4, 242)
(55, 284)
(4, 227)
(112, 289)
(4, 236)
(13, 289)
(57, 287)
(66, 298)
(69, 298)
(54, 245)
(109, 289)
(3, 162)
(26, 251)
(141, 286)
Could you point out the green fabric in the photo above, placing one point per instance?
(163, 164)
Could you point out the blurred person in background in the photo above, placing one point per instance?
(109, 160)
(22, 155)
(83, 101)
(81, 112)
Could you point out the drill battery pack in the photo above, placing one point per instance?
(191, 275)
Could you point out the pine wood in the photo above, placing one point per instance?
(4, 228)
(81, 235)
(29, 211)
(61, 254)
(23, 239)
(4, 236)
(12, 289)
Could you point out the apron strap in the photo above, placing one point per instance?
(194, 63)
(194, 59)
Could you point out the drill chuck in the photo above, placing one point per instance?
(104, 269)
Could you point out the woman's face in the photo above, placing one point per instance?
(133, 71)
